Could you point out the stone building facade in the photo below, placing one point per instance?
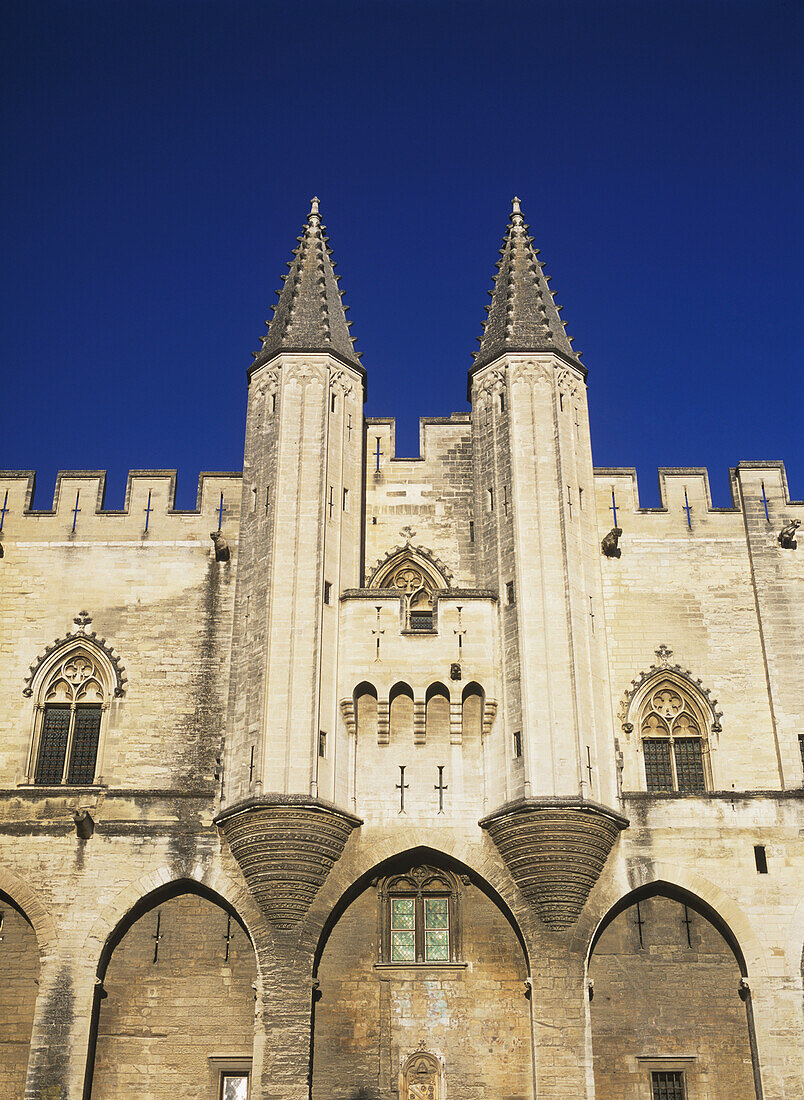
(457, 776)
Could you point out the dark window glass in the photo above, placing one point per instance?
(84, 752)
(658, 770)
(421, 620)
(53, 743)
(761, 859)
(801, 748)
(518, 743)
(668, 1086)
(689, 764)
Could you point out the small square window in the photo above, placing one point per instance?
(327, 591)
(668, 1085)
(234, 1086)
(322, 744)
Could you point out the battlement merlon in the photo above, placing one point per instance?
(753, 485)
(149, 510)
(433, 430)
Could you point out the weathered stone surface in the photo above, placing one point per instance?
(285, 850)
(555, 853)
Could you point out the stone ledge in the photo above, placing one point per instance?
(555, 849)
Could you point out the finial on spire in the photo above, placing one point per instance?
(310, 314)
(522, 315)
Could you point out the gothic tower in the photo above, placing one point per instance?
(538, 547)
(299, 546)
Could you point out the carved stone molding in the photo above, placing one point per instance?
(268, 383)
(489, 714)
(444, 574)
(555, 850)
(340, 382)
(305, 372)
(567, 382)
(531, 372)
(663, 667)
(88, 638)
(285, 847)
(349, 717)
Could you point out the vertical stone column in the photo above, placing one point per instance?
(283, 1022)
(60, 1033)
(562, 1046)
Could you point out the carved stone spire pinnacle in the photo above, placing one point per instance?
(523, 315)
(310, 314)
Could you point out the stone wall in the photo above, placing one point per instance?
(19, 972)
(667, 1003)
(167, 1027)
(474, 1018)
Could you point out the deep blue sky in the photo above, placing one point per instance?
(160, 158)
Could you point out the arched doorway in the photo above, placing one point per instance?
(421, 976)
(174, 1010)
(668, 1002)
(19, 979)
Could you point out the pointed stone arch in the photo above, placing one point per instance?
(28, 902)
(79, 639)
(418, 558)
(650, 678)
(424, 1069)
(136, 901)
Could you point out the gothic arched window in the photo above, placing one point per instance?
(416, 579)
(672, 728)
(419, 916)
(73, 695)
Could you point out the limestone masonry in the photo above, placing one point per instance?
(376, 778)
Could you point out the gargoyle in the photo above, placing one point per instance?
(609, 544)
(787, 535)
(221, 546)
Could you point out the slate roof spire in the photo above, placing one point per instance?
(523, 315)
(310, 314)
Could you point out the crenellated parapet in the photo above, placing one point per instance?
(78, 513)
(758, 490)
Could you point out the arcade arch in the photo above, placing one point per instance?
(380, 1023)
(179, 963)
(669, 1001)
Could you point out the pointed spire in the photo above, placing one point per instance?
(310, 315)
(522, 315)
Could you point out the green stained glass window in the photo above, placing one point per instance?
(403, 947)
(436, 914)
(436, 929)
(436, 946)
(403, 912)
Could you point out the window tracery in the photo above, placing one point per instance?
(416, 579)
(674, 746)
(73, 696)
(419, 917)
